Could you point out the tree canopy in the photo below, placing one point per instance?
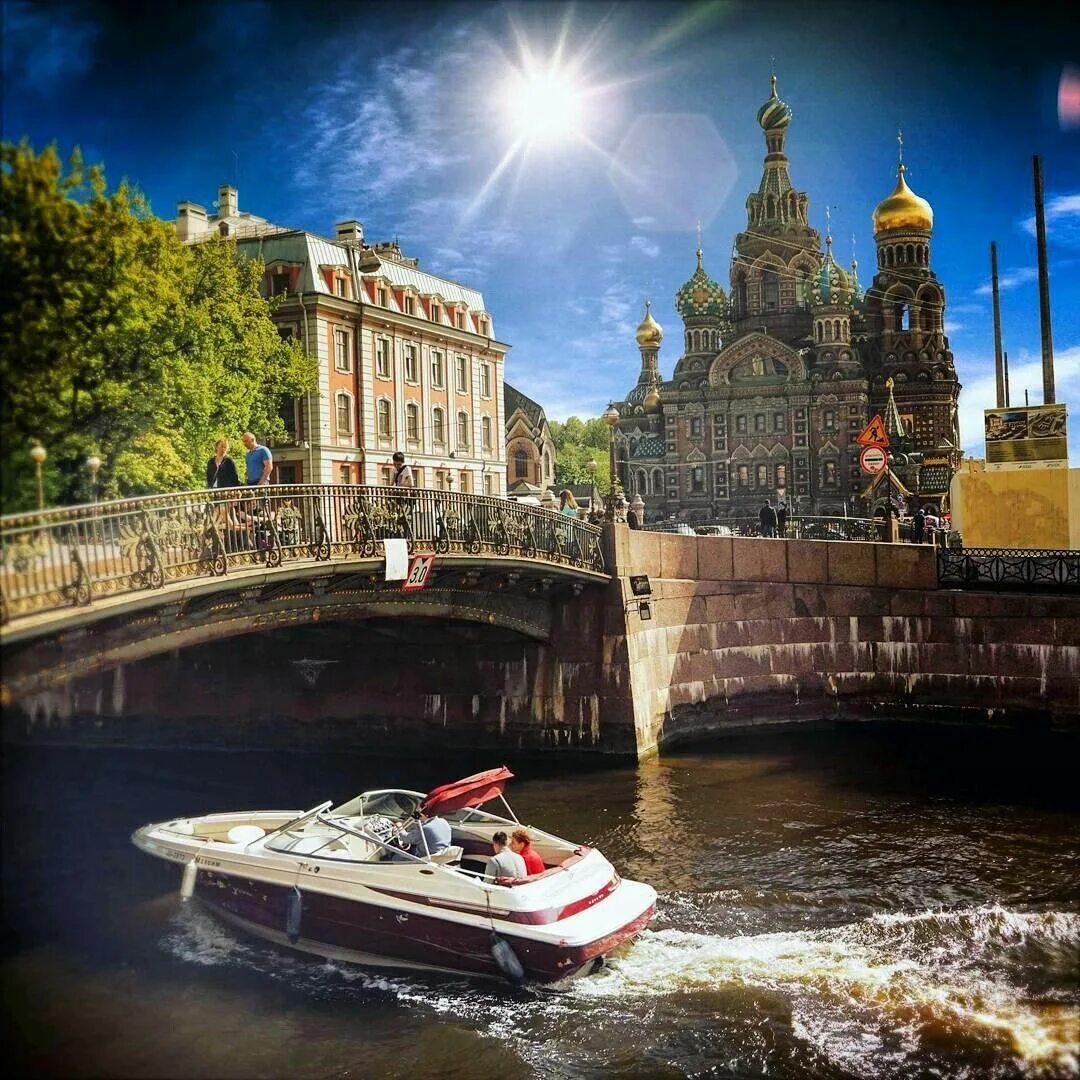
(118, 340)
(577, 442)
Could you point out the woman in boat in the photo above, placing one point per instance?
(522, 845)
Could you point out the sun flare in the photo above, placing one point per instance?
(545, 105)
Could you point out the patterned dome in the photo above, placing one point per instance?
(834, 284)
(774, 113)
(903, 209)
(650, 333)
(701, 296)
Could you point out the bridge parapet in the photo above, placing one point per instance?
(72, 556)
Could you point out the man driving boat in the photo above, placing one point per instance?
(429, 836)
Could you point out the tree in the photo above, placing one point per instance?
(118, 340)
(577, 442)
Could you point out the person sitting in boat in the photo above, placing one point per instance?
(429, 836)
(520, 843)
(504, 863)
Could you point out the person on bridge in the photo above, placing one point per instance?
(567, 503)
(918, 526)
(781, 520)
(221, 469)
(429, 836)
(522, 844)
(767, 519)
(504, 863)
(403, 476)
(259, 461)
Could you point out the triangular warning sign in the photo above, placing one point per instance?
(874, 433)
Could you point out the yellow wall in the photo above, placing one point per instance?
(1021, 508)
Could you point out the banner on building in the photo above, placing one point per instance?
(1030, 437)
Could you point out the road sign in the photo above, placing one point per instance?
(872, 460)
(874, 433)
(419, 568)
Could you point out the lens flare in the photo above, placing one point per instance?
(546, 105)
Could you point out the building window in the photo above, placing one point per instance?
(438, 426)
(438, 369)
(279, 283)
(461, 367)
(382, 358)
(781, 476)
(763, 476)
(489, 484)
(778, 421)
(485, 380)
(759, 423)
(830, 473)
(385, 419)
(695, 427)
(286, 473)
(742, 476)
(463, 484)
(381, 297)
(435, 315)
(463, 431)
(411, 370)
(345, 474)
(697, 479)
(342, 360)
(459, 319)
(339, 286)
(521, 465)
(410, 306)
(485, 430)
(287, 412)
(770, 290)
(740, 425)
(412, 422)
(344, 412)
(386, 475)
(828, 420)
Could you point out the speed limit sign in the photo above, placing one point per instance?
(872, 460)
(419, 568)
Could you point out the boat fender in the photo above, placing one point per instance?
(506, 960)
(187, 880)
(294, 916)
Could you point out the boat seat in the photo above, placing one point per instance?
(452, 854)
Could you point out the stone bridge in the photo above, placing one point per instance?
(265, 618)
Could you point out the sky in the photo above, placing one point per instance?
(559, 157)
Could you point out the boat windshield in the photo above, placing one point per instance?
(392, 804)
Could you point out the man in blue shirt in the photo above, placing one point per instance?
(428, 836)
(260, 462)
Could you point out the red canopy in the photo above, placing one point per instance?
(472, 791)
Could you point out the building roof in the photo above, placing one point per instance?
(514, 399)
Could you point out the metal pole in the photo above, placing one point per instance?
(1044, 289)
(998, 370)
(1006, 373)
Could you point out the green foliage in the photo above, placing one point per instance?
(577, 442)
(118, 340)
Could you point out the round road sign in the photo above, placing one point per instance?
(872, 459)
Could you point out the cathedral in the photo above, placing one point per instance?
(780, 375)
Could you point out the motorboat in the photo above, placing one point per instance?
(334, 881)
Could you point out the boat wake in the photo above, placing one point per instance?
(872, 994)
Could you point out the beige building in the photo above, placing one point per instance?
(530, 450)
(407, 360)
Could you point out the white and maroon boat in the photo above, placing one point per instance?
(330, 881)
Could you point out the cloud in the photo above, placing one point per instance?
(645, 246)
(967, 309)
(980, 392)
(645, 221)
(1011, 279)
(46, 47)
(953, 327)
(1062, 216)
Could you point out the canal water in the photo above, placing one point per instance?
(865, 902)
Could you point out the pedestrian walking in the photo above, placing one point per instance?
(918, 526)
(221, 469)
(767, 519)
(403, 476)
(258, 461)
(781, 519)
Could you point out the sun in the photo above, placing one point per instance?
(545, 105)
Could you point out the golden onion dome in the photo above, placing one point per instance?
(903, 209)
(652, 399)
(650, 333)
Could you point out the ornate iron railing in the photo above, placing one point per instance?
(797, 528)
(1010, 568)
(74, 555)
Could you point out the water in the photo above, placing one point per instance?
(862, 903)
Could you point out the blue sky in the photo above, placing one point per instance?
(395, 114)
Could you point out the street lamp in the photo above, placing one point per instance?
(611, 418)
(38, 456)
(93, 463)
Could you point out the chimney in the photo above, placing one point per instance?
(228, 201)
(349, 232)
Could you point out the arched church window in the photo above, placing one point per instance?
(521, 465)
(770, 290)
(830, 473)
(836, 329)
(641, 482)
(911, 253)
(740, 296)
(658, 481)
(770, 207)
(828, 330)
(820, 332)
(903, 316)
(889, 257)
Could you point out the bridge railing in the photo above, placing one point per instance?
(1026, 569)
(797, 528)
(73, 555)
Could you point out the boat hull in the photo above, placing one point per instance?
(368, 933)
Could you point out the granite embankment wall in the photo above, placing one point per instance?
(750, 631)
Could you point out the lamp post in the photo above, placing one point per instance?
(93, 463)
(38, 456)
(590, 468)
(611, 418)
